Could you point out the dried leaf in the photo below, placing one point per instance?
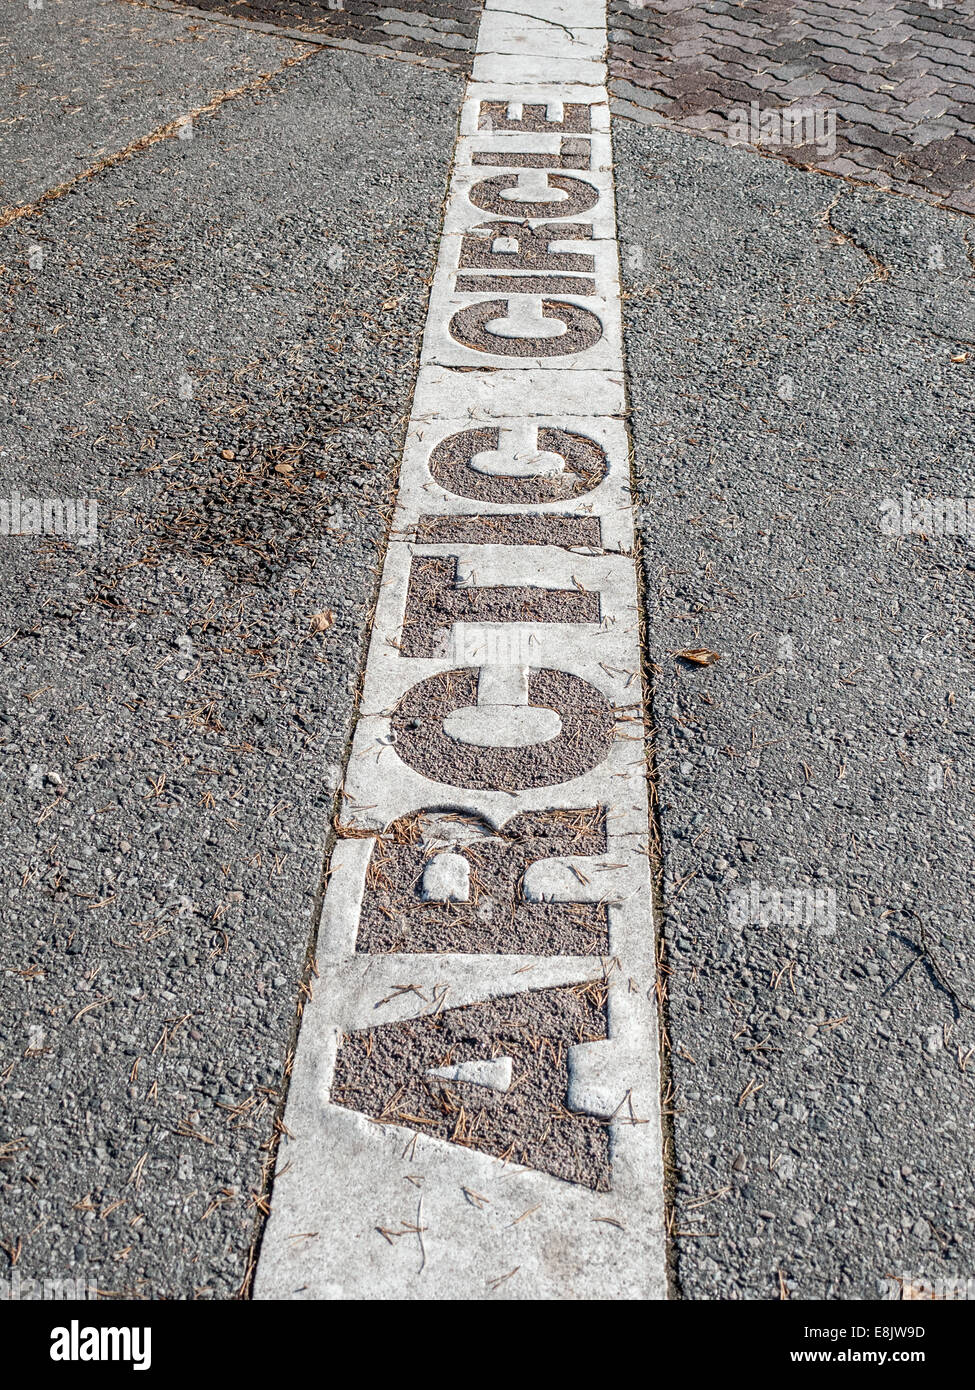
(698, 656)
(321, 622)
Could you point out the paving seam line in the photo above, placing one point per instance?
(169, 130)
(474, 1108)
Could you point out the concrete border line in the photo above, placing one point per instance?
(537, 375)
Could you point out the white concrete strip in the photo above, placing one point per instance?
(475, 397)
(486, 951)
(525, 70)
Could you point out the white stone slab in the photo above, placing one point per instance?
(446, 394)
(601, 263)
(533, 196)
(380, 787)
(574, 13)
(521, 70)
(582, 154)
(501, 32)
(473, 1226)
(368, 1210)
(610, 501)
(524, 318)
(555, 95)
(603, 653)
(520, 1236)
(507, 253)
(374, 989)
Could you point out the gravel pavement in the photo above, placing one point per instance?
(218, 346)
(798, 352)
(83, 79)
(211, 347)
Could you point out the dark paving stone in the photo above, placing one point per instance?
(900, 81)
(442, 29)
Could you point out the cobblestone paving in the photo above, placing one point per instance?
(440, 29)
(899, 80)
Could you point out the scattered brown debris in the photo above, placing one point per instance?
(321, 622)
(697, 656)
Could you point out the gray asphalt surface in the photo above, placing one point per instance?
(82, 79)
(173, 727)
(216, 340)
(830, 746)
